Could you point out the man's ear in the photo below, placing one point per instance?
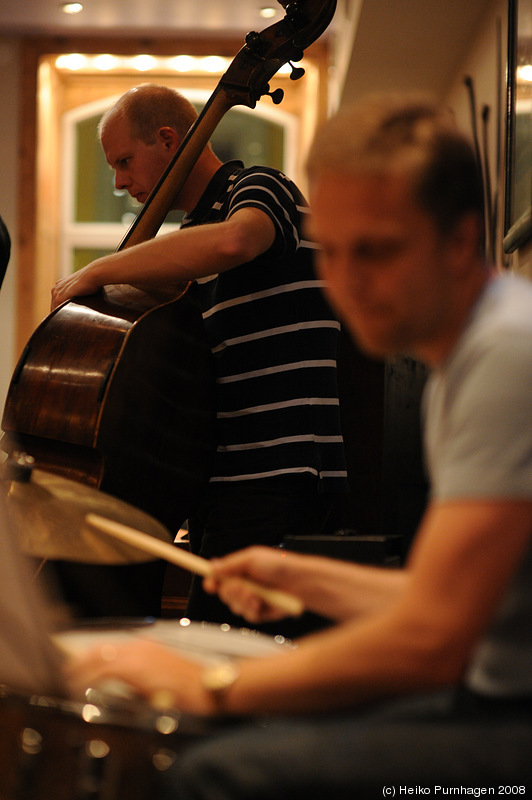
(169, 138)
(468, 238)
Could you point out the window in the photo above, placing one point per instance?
(95, 216)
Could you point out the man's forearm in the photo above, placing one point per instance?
(342, 590)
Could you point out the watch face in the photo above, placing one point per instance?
(220, 676)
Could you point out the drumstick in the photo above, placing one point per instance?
(201, 566)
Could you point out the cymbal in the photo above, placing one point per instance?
(48, 513)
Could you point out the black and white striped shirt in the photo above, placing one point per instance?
(274, 341)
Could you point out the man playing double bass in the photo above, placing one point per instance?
(279, 466)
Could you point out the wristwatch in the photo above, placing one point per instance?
(218, 678)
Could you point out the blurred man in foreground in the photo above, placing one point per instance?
(425, 680)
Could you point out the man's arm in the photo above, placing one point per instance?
(466, 555)
(338, 590)
(464, 560)
(175, 258)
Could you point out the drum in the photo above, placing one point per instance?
(112, 746)
(203, 641)
(53, 749)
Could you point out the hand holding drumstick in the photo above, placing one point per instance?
(257, 601)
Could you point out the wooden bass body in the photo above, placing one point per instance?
(117, 391)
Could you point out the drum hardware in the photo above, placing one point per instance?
(53, 749)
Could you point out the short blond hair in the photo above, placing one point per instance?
(149, 107)
(411, 134)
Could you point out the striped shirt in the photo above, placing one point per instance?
(274, 341)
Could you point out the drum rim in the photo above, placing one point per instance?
(98, 709)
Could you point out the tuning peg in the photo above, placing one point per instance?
(254, 42)
(297, 72)
(294, 12)
(276, 96)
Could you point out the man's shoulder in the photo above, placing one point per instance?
(509, 303)
(501, 325)
(258, 170)
(268, 178)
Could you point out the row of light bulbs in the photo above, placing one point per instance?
(75, 8)
(105, 62)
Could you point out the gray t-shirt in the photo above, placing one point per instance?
(478, 443)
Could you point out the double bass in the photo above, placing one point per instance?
(116, 390)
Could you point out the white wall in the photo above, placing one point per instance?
(9, 94)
